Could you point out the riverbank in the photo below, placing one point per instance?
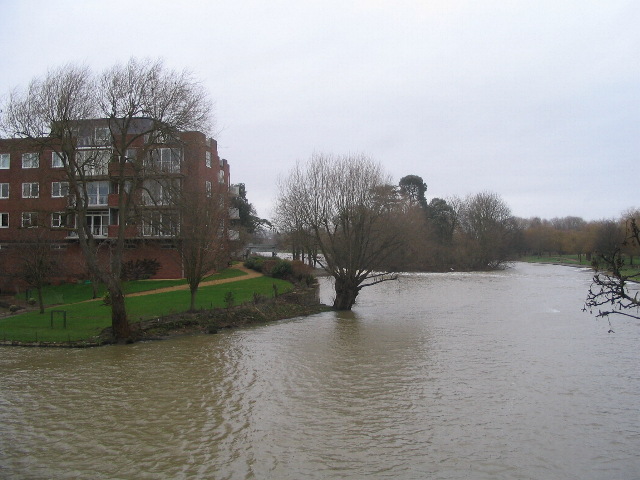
(300, 302)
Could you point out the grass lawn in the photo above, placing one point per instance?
(566, 259)
(72, 293)
(86, 320)
(575, 260)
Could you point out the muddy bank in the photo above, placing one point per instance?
(214, 321)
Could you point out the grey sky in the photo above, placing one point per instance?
(538, 101)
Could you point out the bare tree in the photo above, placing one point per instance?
(609, 292)
(37, 261)
(140, 104)
(203, 240)
(348, 207)
(488, 230)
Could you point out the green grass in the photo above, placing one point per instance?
(73, 293)
(86, 320)
(567, 259)
(574, 260)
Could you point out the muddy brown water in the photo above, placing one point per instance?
(439, 376)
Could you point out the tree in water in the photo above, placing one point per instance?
(348, 206)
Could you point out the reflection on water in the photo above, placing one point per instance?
(434, 376)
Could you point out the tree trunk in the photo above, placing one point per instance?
(346, 293)
(119, 320)
(40, 300)
(192, 305)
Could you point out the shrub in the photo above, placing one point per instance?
(139, 269)
(282, 269)
(31, 301)
(258, 298)
(267, 266)
(14, 308)
(229, 299)
(255, 263)
(294, 271)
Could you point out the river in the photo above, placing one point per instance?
(434, 376)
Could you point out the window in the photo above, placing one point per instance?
(102, 136)
(98, 223)
(5, 160)
(98, 193)
(56, 160)
(59, 189)
(207, 187)
(58, 219)
(30, 160)
(160, 224)
(165, 160)
(29, 219)
(4, 220)
(4, 190)
(30, 190)
(221, 176)
(207, 159)
(131, 154)
(159, 192)
(94, 162)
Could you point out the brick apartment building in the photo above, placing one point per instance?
(34, 193)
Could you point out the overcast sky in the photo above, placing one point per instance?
(538, 100)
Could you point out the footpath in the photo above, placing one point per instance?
(248, 274)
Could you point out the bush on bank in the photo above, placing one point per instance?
(293, 271)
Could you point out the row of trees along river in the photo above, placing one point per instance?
(345, 214)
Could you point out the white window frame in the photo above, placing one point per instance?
(31, 190)
(166, 159)
(102, 136)
(94, 162)
(160, 224)
(57, 219)
(4, 190)
(28, 219)
(207, 159)
(221, 176)
(5, 161)
(4, 220)
(98, 193)
(30, 160)
(159, 192)
(208, 188)
(101, 230)
(59, 189)
(56, 160)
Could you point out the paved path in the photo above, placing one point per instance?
(249, 274)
